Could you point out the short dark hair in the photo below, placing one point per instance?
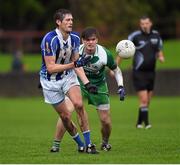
(145, 17)
(60, 14)
(88, 32)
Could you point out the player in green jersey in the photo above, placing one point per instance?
(95, 72)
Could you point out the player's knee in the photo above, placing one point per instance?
(65, 116)
(105, 120)
(144, 101)
(78, 104)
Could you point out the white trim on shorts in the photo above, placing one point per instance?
(103, 107)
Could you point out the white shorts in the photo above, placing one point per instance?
(54, 91)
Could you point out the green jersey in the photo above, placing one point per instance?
(95, 70)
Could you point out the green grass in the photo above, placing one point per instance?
(33, 62)
(27, 127)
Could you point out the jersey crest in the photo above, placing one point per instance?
(94, 66)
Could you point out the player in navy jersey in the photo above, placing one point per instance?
(148, 49)
(60, 64)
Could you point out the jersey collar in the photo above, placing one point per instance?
(95, 53)
(61, 37)
(146, 33)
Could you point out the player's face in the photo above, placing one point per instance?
(66, 24)
(90, 44)
(145, 25)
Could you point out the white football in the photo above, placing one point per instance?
(125, 49)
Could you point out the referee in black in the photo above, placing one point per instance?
(148, 49)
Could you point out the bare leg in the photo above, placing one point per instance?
(76, 98)
(65, 115)
(60, 129)
(105, 119)
(144, 100)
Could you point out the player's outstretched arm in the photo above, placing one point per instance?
(81, 74)
(52, 67)
(82, 61)
(119, 79)
(89, 87)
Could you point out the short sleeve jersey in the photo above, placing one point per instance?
(95, 70)
(54, 45)
(147, 46)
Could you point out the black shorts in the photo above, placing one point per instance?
(143, 80)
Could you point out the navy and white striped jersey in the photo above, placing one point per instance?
(54, 45)
(147, 46)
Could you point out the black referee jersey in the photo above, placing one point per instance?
(147, 46)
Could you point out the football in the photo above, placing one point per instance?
(125, 49)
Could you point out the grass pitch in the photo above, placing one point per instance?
(27, 127)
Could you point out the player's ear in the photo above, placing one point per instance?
(58, 22)
(151, 23)
(82, 40)
(96, 40)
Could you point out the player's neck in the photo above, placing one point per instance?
(90, 52)
(65, 34)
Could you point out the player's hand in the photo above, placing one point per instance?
(82, 61)
(161, 59)
(91, 88)
(122, 93)
(39, 86)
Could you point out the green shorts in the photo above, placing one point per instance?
(100, 100)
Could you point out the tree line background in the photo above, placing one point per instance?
(115, 19)
(23, 23)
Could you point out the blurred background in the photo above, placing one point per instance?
(27, 124)
(23, 24)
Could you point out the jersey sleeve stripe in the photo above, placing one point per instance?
(53, 51)
(132, 35)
